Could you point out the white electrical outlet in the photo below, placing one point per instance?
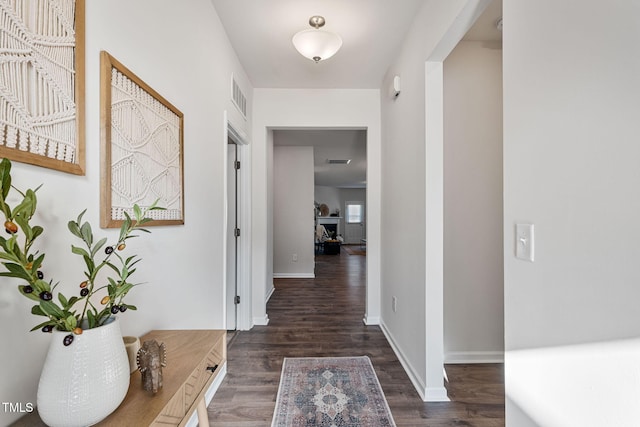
(524, 242)
(394, 304)
(295, 258)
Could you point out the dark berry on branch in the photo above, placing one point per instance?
(114, 309)
(108, 250)
(47, 328)
(40, 275)
(67, 340)
(46, 296)
(27, 289)
(123, 308)
(84, 292)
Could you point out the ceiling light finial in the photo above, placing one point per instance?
(317, 21)
(317, 44)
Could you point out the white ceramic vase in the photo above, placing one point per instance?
(84, 382)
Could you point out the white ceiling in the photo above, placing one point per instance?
(372, 31)
(261, 31)
(484, 29)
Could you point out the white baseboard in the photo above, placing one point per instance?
(271, 291)
(208, 395)
(436, 394)
(261, 321)
(294, 276)
(461, 357)
(427, 394)
(371, 320)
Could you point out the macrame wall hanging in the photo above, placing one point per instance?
(42, 83)
(142, 148)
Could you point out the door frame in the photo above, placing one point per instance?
(233, 241)
(243, 274)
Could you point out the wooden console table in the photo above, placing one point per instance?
(194, 359)
(191, 357)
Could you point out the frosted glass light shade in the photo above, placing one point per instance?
(317, 45)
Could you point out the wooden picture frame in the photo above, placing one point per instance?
(141, 148)
(42, 113)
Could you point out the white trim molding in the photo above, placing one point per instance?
(293, 276)
(460, 357)
(435, 394)
(427, 394)
(271, 291)
(261, 321)
(371, 320)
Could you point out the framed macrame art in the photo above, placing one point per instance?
(42, 83)
(142, 148)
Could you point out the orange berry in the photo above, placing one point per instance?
(11, 227)
(121, 246)
(77, 331)
(84, 284)
(104, 300)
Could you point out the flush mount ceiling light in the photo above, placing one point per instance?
(317, 44)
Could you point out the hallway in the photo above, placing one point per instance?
(323, 317)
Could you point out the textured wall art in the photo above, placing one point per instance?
(142, 148)
(42, 83)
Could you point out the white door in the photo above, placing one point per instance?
(354, 222)
(232, 236)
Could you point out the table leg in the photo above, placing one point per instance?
(203, 417)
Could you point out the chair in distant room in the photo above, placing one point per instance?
(321, 236)
(326, 241)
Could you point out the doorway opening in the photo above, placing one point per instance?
(236, 230)
(233, 234)
(316, 170)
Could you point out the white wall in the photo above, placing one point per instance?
(571, 168)
(309, 108)
(473, 252)
(182, 265)
(330, 196)
(293, 222)
(408, 274)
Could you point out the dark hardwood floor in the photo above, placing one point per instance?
(322, 317)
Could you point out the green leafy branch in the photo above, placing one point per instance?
(118, 287)
(22, 262)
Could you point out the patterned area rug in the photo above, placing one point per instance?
(330, 392)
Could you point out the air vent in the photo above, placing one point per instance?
(338, 161)
(238, 97)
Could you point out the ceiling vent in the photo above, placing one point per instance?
(338, 161)
(238, 98)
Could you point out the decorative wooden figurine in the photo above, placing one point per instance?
(152, 357)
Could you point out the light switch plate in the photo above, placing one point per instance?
(525, 242)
